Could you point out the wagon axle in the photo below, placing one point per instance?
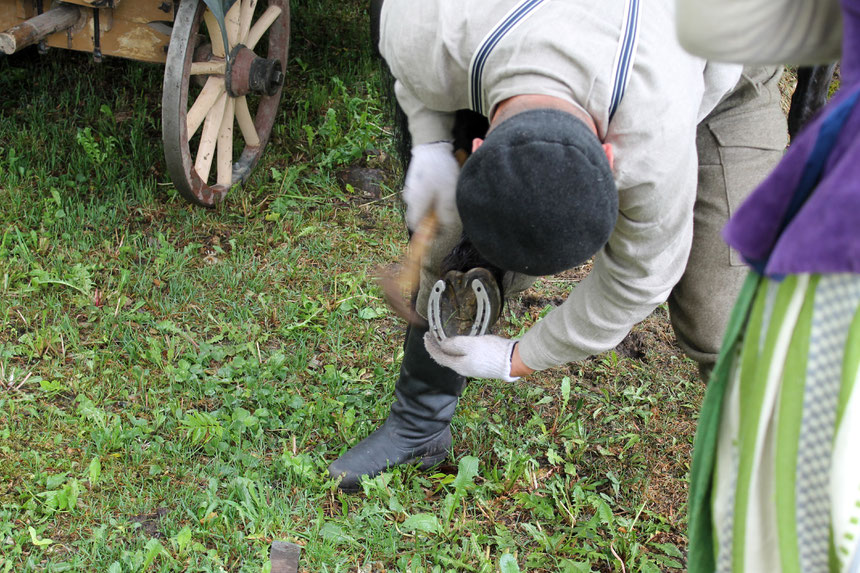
(38, 28)
(248, 73)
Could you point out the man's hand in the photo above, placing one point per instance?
(431, 182)
(486, 356)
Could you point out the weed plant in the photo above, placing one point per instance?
(174, 380)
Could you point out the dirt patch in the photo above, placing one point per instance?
(533, 301)
(367, 182)
(633, 346)
(371, 178)
(150, 522)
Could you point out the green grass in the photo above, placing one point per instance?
(175, 380)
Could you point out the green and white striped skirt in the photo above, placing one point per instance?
(778, 473)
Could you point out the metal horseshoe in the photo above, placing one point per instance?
(434, 318)
(482, 314)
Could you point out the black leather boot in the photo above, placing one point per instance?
(418, 428)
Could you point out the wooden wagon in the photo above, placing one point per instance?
(224, 69)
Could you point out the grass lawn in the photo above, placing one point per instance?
(175, 380)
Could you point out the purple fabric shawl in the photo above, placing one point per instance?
(824, 237)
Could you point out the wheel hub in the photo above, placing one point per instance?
(247, 73)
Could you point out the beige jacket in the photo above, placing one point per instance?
(567, 48)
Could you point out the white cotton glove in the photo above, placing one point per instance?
(431, 181)
(486, 356)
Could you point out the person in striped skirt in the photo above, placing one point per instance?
(775, 480)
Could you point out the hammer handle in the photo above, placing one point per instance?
(419, 244)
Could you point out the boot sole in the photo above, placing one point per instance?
(423, 463)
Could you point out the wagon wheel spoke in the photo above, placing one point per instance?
(225, 146)
(247, 16)
(261, 25)
(214, 34)
(209, 138)
(232, 23)
(208, 68)
(246, 122)
(208, 96)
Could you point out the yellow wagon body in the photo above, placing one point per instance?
(135, 29)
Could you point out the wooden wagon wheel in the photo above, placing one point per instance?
(206, 94)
